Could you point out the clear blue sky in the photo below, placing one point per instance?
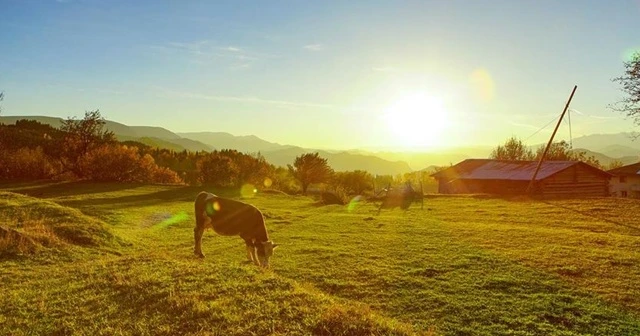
(322, 73)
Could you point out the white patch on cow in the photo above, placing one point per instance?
(251, 253)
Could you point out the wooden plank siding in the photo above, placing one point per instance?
(577, 180)
(502, 177)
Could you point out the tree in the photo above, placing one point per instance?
(310, 168)
(513, 149)
(630, 85)
(1, 99)
(355, 182)
(217, 170)
(615, 164)
(81, 136)
(561, 151)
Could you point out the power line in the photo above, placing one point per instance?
(543, 127)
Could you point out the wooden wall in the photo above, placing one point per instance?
(576, 181)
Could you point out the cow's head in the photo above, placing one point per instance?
(265, 251)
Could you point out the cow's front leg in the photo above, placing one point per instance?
(251, 251)
(197, 235)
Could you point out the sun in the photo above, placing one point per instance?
(417, 121)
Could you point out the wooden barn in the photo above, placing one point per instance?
(554, 179)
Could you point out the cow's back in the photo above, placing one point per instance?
(228, 217)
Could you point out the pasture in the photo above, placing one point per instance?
(461, 266)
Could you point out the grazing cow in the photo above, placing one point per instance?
(230, 218)
(399, 198)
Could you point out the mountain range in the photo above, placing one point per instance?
(604, 147)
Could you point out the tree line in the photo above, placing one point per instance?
(515, 150)
(83, 149)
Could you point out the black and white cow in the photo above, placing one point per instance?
(233, 218)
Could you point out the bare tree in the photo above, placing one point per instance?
(630, 85)
(80, 137)
(1, 99)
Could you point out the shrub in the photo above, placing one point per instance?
(26, 163)
(118, 163)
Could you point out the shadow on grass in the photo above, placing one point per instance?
(592, 215)
(62, 189)
(171, 194)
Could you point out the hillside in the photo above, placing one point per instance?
(607, 160)
(341, 161)
(600, 142)
(568, 267)
(223, 140)
(29, 225)
(152, 136)
(605, 147)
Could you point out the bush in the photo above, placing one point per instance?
(118, 163)
(26, 163)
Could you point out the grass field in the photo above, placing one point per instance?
(108, 259)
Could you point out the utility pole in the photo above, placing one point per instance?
(533, 178)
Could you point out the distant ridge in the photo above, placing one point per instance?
(148, 135)
(605, 147)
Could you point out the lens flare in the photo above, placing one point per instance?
(482, 85)
(629, 54)
(354, 203)
(174, 219)
(248, 190)
(212, 207)
(268, 182)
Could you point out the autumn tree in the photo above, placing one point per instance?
(630, 85)
(310, 168)
(119, 163)
(354, 182)
(81, 136)
(217, 170)
(513, 149)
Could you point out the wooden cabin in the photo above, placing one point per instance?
(625, 181)
(501, 177)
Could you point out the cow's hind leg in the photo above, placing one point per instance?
(197, 235)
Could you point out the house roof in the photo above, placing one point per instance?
(632, 169)
(486, 169)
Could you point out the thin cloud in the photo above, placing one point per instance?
(314, 47)
(385, 69)
(205, 52)
(231, 49)
(591, 115)
(242, 99)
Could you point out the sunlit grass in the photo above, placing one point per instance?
(461, 266)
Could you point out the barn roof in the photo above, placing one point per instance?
(632, 169)
(486, 169)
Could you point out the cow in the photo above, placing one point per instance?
(233, 218)
(400, 198)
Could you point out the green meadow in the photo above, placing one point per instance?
(117, 259)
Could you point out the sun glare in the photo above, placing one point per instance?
(417, 121)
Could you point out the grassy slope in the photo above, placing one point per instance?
(462, 265)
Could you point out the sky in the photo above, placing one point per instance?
(418, 75)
